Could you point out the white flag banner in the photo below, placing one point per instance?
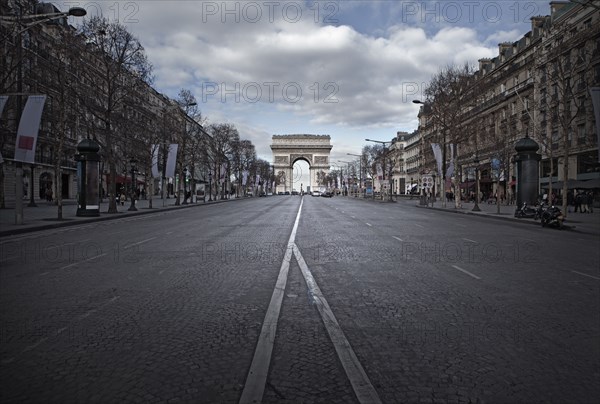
(437, 152)
(257, 182)
(595, 92)
(171, 160)
(244, 177)
(154, 150)
(379, 171)
(223, 172)
(28, 129)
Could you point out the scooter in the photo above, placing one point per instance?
(527, 211)
(552, 217)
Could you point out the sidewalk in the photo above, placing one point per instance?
(44, 216)
(580, 222)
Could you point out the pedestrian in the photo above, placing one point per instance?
(591, 201)
(577, 202)
(49, 194)
(584, 202)
(123, 199)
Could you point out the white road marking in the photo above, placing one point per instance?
(138, 243)
(353, 217)
(368, 224)
(591, 276)
(466, 272)
(259, 369)
(81, 262)
(469, 240)
(364, 390)
(420, 225)
(399, 239)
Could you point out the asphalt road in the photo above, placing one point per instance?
(346, 301)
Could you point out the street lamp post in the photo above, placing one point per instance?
(476, 206)
(347, 182)
(21, 20)
(443, 173)
(185, 171)
(385, 157)
(132, 164)
(210, 186)
(359, 172)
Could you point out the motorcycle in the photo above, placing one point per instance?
(527, 211)
(552, 217)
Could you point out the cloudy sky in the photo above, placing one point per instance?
(348, 69)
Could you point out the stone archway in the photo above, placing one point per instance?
(287, 149)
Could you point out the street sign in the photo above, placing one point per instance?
(427, 182)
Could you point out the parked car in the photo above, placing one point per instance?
(316, 193)
(327, 194)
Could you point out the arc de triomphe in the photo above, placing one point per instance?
(287, 149)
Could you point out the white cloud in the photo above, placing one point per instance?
(372, 78)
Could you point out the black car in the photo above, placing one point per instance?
(327, 194)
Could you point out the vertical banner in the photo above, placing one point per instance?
(154, 150)
(437, 152)
(450, 169)
(223, 172)
(171, 160)
(28, 129)
(244, 177)
(595, 92)
(257, 182)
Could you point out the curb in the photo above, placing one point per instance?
(107, 216)
(492, 216)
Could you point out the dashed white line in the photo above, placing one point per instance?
(399, 239)
(420, 225)
(81, 262)
(138, 243)
(469, 240)
(368, 224)
(466, 272)
(590, 276)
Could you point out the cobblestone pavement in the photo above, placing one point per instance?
(168, 307)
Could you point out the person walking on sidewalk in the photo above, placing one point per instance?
(584, 203)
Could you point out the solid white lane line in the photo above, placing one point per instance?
(399, 239)
(259, 369)
(81, 262)
(591, 276)
(466, 272)
(364, 390)
(138, 243)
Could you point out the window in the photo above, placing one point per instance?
(581, 131)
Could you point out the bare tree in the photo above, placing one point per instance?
(568, 61)
(116, 70)
(447, 93)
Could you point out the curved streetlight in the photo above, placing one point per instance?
(359, 172)
(21, 20)
(132, 164)
(476, 206)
